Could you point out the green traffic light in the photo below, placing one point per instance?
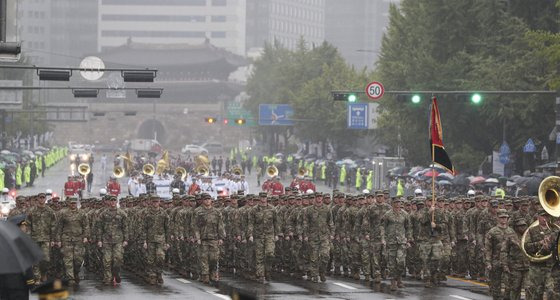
(476, 98)
(352, 98)
(416, 99)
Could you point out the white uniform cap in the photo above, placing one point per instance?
(5, 190)
(309, 191)
(418, 191)
(366, 191)
(175, 191)
(102, 192)
(470, 193)
(48, 191)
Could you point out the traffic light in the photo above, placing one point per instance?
(476, 98)
(416, 99)
(345, 96)
(408, 98)
(210, 120)
(239, 121)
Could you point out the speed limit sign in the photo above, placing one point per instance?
(375, 90)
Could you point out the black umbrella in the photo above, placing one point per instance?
(18, 252)
(461, 180)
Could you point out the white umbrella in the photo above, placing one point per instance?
(510, 183)
(492, 180)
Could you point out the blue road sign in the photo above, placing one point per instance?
(358, 116)
(505, 151)
(529, 147)
(276, 115)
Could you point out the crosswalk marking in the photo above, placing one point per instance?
(219, 295)
(183, 280)
(345, 286)
(460, 297)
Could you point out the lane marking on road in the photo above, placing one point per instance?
(468, 281)
(219, 295)
(183, 280)
(345, 286)
(460, 297)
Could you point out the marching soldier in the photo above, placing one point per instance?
(513, 260)
(73, 233)
(112, 237)
(318, 230)
(494, 239)
(42, 225)
(155, 234)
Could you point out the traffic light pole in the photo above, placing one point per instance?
(556, 138)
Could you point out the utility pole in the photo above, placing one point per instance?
(556, 140)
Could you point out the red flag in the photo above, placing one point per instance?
(439, 156)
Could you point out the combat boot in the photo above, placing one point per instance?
(393, 285)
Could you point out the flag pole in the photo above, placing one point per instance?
(433, 171)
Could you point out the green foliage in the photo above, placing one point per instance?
(467, 45)
(304, 79)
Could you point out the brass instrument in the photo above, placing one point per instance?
(302, 171)
(181, 171)
(148, 169)
(550, 201)
(272, 171)
(118, 172)
(84, 169)
(202, 170)
(161, 166)
(236, 170)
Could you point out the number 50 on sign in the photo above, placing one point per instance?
(375, 90)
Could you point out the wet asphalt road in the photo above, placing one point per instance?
(281, 287)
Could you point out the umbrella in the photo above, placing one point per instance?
(477, 180)
(446, 176)
(491, 180)
(430, 174)
(18, 252)
(444, 182)
(533, 185)
(461, 180)
(510, 183)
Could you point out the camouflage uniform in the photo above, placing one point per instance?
(155, 236)
(264, 228)
(209, 232)
(112, 232)
(493, 241)
(318, 227)
(395, 230)
(514, 262)
(42, 226)
(73, 227)
(539, 272)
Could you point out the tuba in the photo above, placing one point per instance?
(84, 169)
(236, 170)
(118, 172)
(202, 165)
(202, 170)
(272, 171)
(161, 166)
(148, 169)
(549, 199)
(181, 171)
(302, 171)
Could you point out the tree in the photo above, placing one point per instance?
(461, 45)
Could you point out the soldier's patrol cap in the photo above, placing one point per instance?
(318, 194)
(397, 199)
(263, 194)
(542, 212)
(154, 197)
(494, 203)
(206, 196)
(440, 199)
(519, 222)
(112, 198)
(420, 202)
(287, 189)
(20, 198)
(274, 198)
(52, 289)
(524, 201)
(361, 197)
(508, 203)
(41, 195)
(386, 192)
(72, 200)
(379, 193)
(502, 213)
(291, 197)
(234, 196)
